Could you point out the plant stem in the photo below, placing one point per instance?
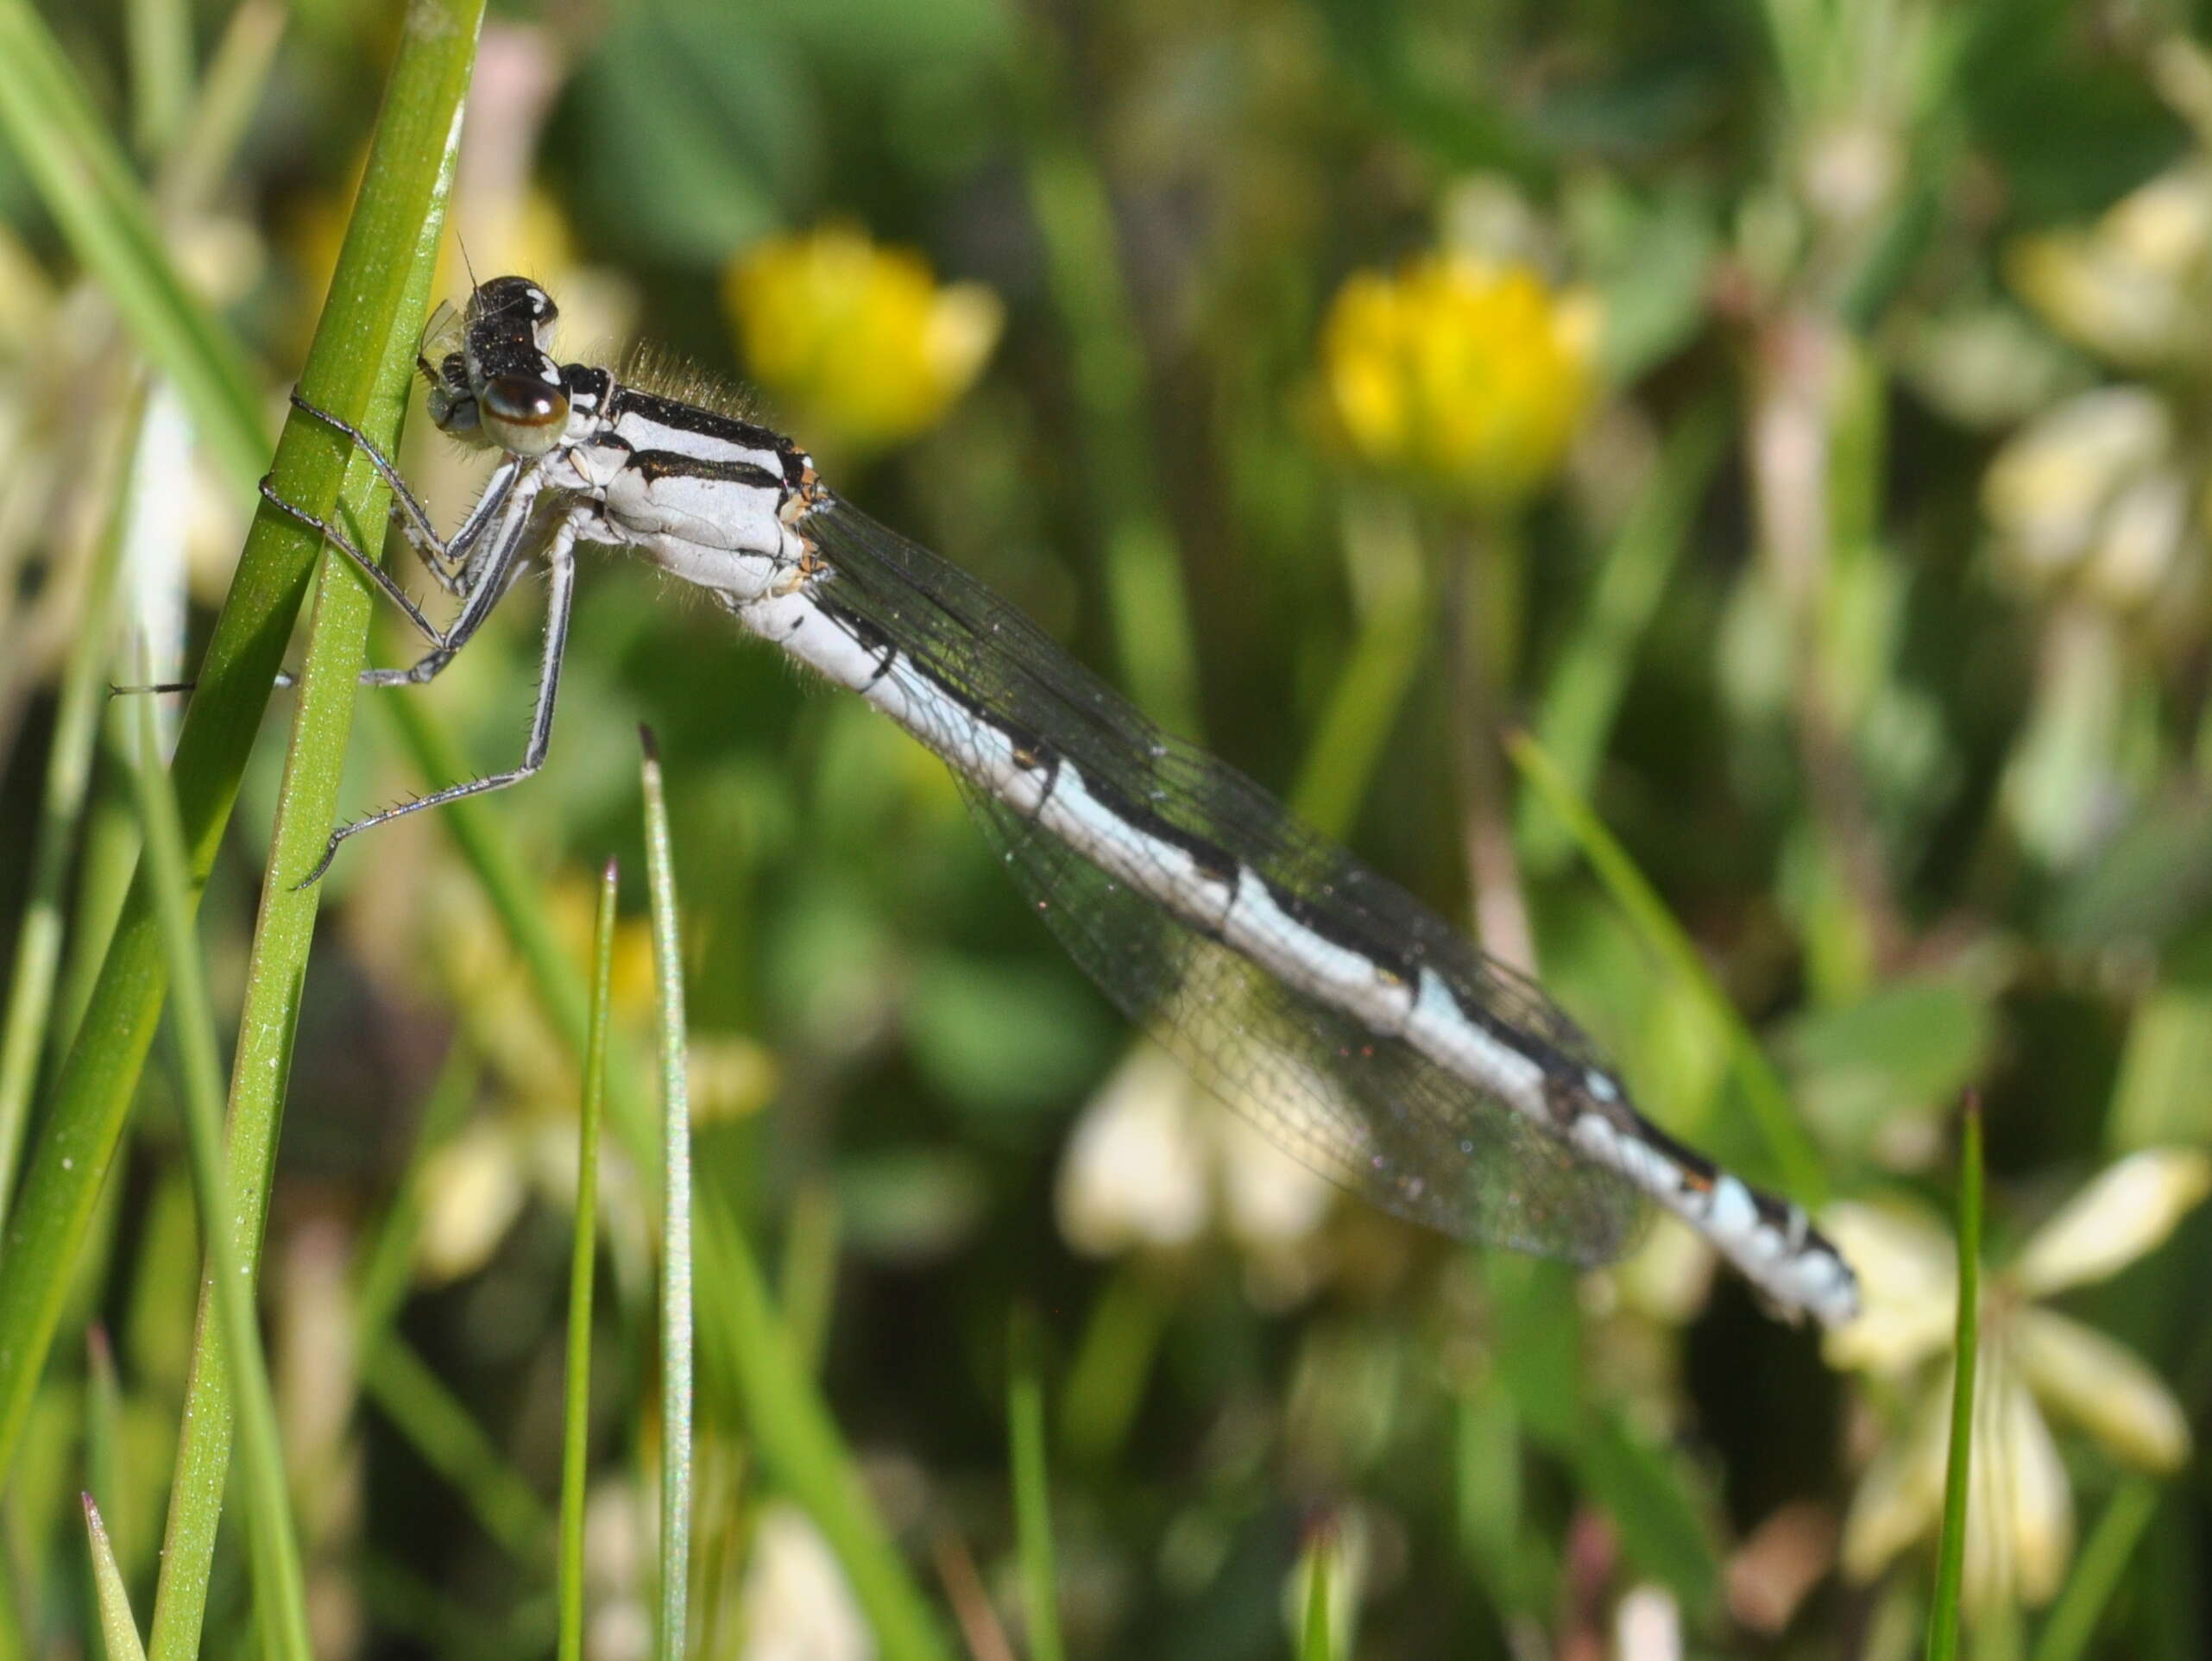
(576, 1427)
(1950, 1551)
(1481, 615)
(675, 1223)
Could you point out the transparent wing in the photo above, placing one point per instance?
(1371, 1113)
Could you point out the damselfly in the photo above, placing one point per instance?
(1363, 1035)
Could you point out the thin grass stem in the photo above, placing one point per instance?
(576, 1407)
(676, 1220)
(1950, 1548)
(1032, 1491)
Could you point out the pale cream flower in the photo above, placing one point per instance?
(798, 1605)
(472, 1190)
(2135, 286)
(1648, 1625)
(2019, 1517)
(1135, 1170)
(1155, 1158)
(476, 1185)
(2095, 493)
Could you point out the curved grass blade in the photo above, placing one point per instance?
(2072, 1625)
(745, 1341)
(119, 1630)
(1795, 1158)
(359, 364)
(1032, 1495)
(676, 1222)
(68, 780)
(1950, 1548)
(363, 344)
(576, 1417)
(280, 1597)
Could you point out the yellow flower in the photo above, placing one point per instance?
(2020, 1523)
(1467, 374)
(858, 343)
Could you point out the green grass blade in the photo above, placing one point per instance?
(798, 1440)
(809, 1288)
(1032, 1495)
(576, 1415)
(2072, 1625)
(1950, 1547)
(360, 364)
(103, 1417)
(676, 1222)
(1795, 1158)
(1387, 652)
(362, 354)
(560, 990)
(280, 1597)
(159, 36)
(1317, 1622)
(746, 1342)
(441, 1429)
(194, 168)
(1072, 212)
(85, 183)
(119, 1630)
(1582, 693)
(68, 780)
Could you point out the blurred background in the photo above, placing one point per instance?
(1793, 418)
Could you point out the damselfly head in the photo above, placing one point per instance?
(452, 404)
(515, 387)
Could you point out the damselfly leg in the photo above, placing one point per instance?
(483, 557)
(560, 561)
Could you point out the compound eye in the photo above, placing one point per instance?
(523, 415)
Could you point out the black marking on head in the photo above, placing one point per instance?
(514, 300)
(587, 387)
(521, 391)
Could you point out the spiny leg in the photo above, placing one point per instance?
(376, 573)
(500, 575)
(496, 575)
(560, 563)
(441, 557)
